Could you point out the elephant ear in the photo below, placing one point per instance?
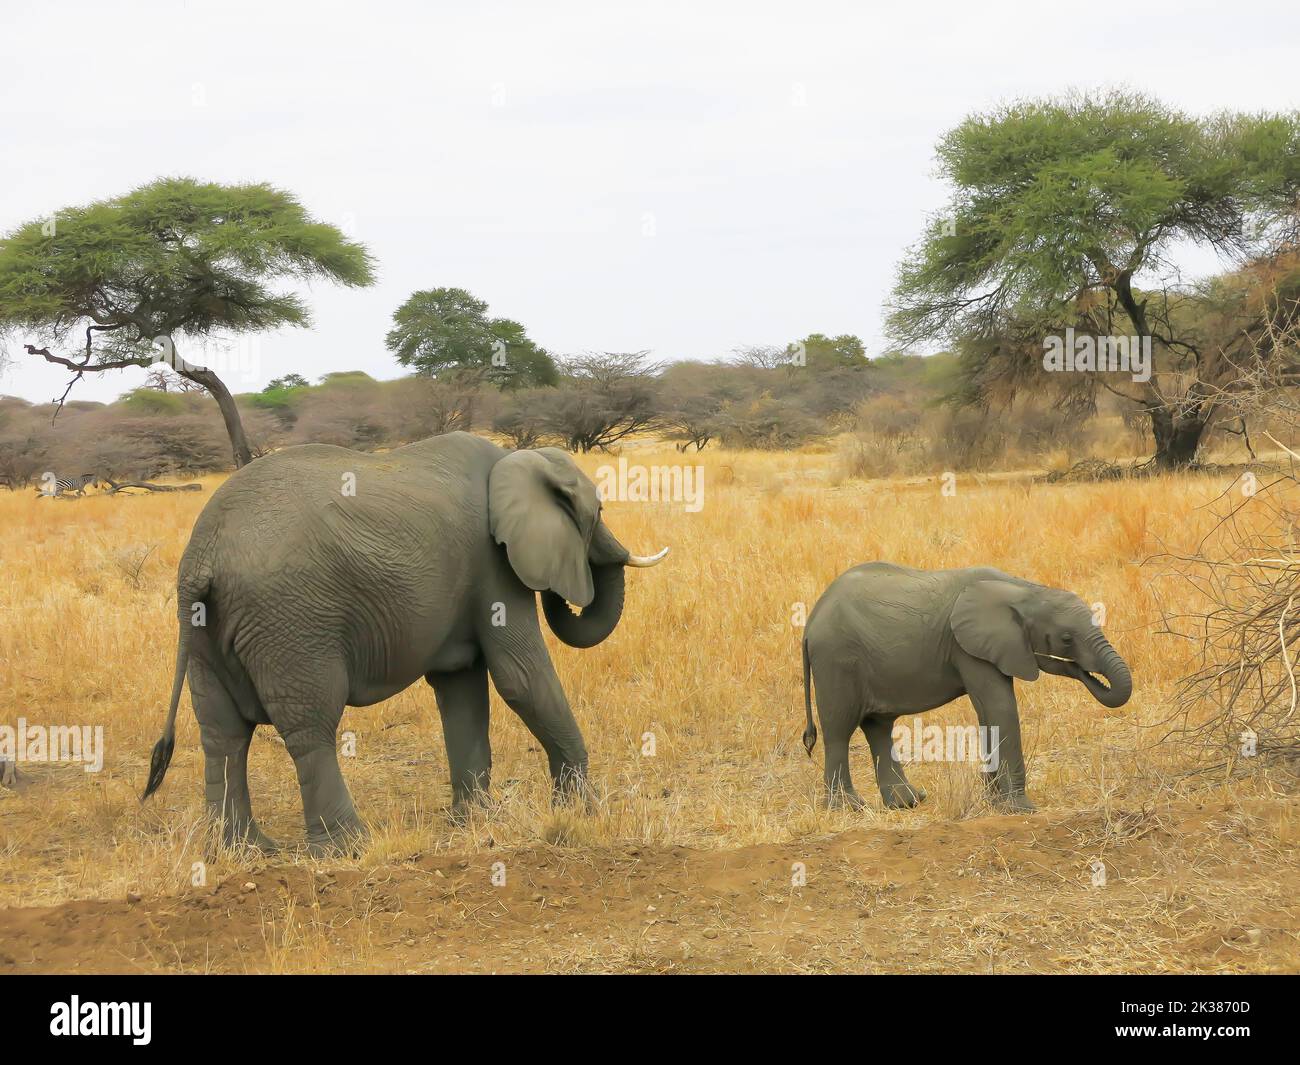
(543, 509)
(987, 624)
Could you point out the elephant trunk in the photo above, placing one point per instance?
(597, 620)
(1119, 682)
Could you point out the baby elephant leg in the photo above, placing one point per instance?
(839, 708)
(895, 790)
(839, 782)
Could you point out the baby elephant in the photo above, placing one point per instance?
(885, 640)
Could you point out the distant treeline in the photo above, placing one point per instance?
(763, 398)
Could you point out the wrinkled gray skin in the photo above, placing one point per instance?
(317, 600)
(885, 640)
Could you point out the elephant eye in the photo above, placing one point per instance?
(1068, 638)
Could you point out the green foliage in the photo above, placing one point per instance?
(280, 395)
(927, 378)
(288, 381)
(147, 401)
(276, 400)
(826, 353)
(443, 329)
(1053, 198)
(172, 258)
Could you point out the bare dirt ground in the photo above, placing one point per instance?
(993, 894)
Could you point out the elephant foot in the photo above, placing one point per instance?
(246, 834)
(903, 796)
(464, 807)
(1013, 803)
(845, 799)
(341, 840)
(571, 788)
(255, 839)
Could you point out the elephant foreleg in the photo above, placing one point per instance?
(895, 790)
(526, 680)
(994, 696)
(463, 705)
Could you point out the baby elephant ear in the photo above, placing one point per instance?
(535, 503)
(987, 623)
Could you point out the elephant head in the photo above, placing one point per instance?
(547, 514)
(1022, 628)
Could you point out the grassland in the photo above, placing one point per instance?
(685, 862)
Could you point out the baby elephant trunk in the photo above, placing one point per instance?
(1118, 684)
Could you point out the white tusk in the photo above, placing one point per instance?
(641, 562)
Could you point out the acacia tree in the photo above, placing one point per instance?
(173, 260)
(694, 397)
(442, 330)
(606, 397)
(1063, 207)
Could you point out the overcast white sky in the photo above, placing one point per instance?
(683, 177)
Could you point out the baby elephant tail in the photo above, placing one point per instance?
(810, 730)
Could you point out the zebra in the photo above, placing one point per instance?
(76, 485)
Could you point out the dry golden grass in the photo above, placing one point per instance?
(707, 660)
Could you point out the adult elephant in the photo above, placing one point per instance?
(318, 578)
(886, 640)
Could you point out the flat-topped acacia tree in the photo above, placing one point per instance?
(173, 260)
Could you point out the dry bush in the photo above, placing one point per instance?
(522, 419)
(886, 440)
(768, 424)
(1242, 699)
(341, 418)
(1248, 572)
(421, 407)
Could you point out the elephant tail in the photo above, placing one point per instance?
(160, 759)
(810, 730)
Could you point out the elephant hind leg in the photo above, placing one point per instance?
(839, 781)
(226, 736)
(895, 790)
(306, 712)
(839, 708)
